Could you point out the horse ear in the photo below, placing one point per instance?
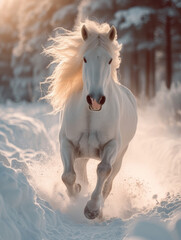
(112, 33)
(84, 32)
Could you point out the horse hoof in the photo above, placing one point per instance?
(91, 214)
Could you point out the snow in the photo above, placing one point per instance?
(145, 203)
(133, 16)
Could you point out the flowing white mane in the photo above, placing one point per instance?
(68, 50)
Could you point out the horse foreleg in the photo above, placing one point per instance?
(108, 156)
(81, 171)
(115, 169)
(69, 175)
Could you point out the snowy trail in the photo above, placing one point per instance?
(145, 202)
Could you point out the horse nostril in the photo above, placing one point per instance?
(89, 99)
(102, 100)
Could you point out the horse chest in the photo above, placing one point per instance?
(89, 131)
(88, 145)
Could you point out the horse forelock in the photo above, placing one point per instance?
(68, 50)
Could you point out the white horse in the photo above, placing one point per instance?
(99, 114)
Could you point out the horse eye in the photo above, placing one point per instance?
(110, 61)
(85, 60)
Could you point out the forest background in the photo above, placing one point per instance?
(150, 32)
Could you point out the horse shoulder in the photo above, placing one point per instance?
(129, 95)
(128, 116)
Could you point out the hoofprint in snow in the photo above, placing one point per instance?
(146, 193)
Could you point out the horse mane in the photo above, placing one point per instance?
(68, 50)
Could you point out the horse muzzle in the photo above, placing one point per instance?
(95, 105)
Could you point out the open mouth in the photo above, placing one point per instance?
(95, 106)
(94, 109)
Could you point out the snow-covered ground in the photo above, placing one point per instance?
(145, 203)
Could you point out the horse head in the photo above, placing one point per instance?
(96, 69)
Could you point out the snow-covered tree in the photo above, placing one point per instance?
(24, 30)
